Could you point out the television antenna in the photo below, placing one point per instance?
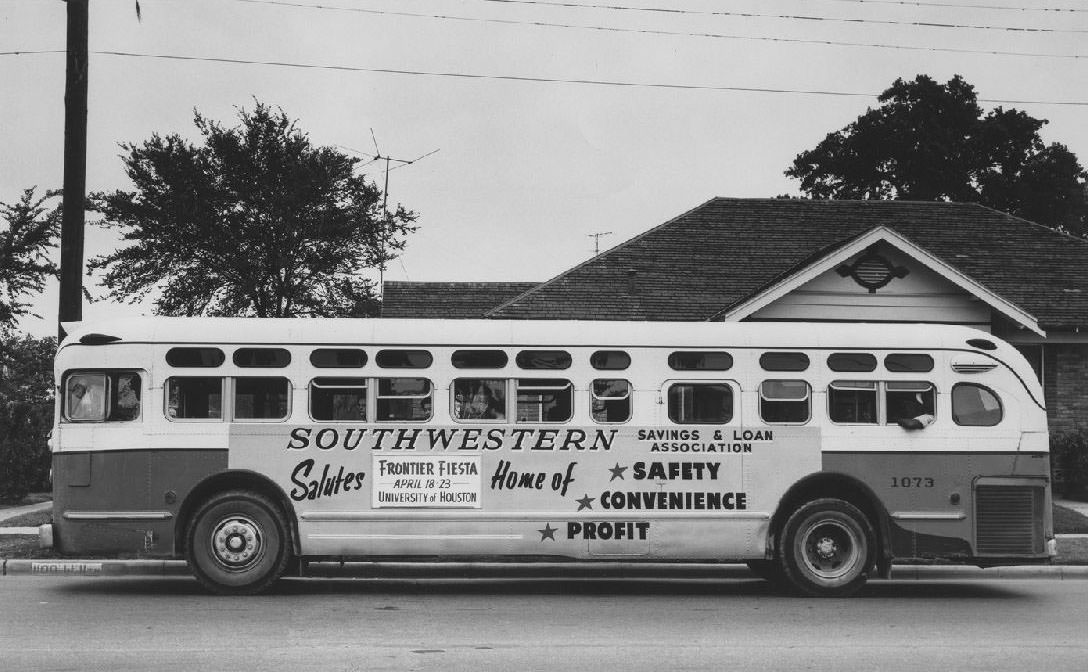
(597, 240)
(375, 157)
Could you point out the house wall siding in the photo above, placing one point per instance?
(921, 296)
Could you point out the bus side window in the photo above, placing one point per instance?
(479, 399)
(852, 401)
(338, 399)
(194, 398)
(544, 400)
(700, 403)
(261, 398)
(404, 399)
(785, 401)
(85, 397)
(611, 400)
(125, 396)
(910, 400)
(975, 406)
(111, 396)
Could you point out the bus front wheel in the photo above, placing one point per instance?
(826, 548)
(237, 543)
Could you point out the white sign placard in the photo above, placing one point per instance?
(426, 481)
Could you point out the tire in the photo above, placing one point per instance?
(238, 543)
(827, 549)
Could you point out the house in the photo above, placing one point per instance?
(786, 260)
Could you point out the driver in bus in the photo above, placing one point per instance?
(85, 400)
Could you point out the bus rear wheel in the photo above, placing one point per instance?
(827, 548)
(237, 543)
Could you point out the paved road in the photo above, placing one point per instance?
(168, 624)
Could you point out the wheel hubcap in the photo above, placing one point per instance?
(830, 550)
(237, 543)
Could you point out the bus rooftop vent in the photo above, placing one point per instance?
(98, 339)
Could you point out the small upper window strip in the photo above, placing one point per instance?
(479, 359)
(543, 359)
(262, 358)
(710, 360)
(207, 358)
(610, 360)
(404, 359)
(856, 362)
(338, 358)
(783, 361)
(902, 362)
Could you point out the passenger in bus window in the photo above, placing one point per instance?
(86, 395)
(911, 411)
(481, 400)
(127, 406)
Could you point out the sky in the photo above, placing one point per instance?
(549, 120)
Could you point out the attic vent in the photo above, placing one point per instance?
(872, 271)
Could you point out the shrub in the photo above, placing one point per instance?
(26, 414)
(1069, 463)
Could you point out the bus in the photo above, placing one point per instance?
(818, 454)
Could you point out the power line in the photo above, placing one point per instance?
(760, 15)
(522, 78)
(528, 79)
(667, 33)
(958, 5)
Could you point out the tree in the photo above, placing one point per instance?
(26, 415)
(28, 230)
(255, 221)
(929, 141)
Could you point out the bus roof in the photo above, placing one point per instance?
(521, 333)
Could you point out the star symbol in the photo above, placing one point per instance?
(585, 502)
(548, 532)
(617, 472)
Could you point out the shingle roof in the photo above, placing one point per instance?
(456, 300)
(726, 250)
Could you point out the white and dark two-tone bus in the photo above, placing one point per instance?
(817, 453)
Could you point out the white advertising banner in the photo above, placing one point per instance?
(432, 481)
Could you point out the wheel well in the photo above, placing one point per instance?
(233, 480)
(836, 486)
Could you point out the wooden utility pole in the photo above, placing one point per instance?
(75, 168)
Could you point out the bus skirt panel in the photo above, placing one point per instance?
(967, 506)
(125, 501)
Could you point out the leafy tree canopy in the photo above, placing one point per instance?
(930, 141)
(254, 221)
(28, 230)
(26, 414)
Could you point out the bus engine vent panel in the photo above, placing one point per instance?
(1004, 520)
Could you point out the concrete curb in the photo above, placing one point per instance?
(94, 567)
(18, 531)
(531, 570)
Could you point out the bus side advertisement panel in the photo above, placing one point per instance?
(684, 492)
